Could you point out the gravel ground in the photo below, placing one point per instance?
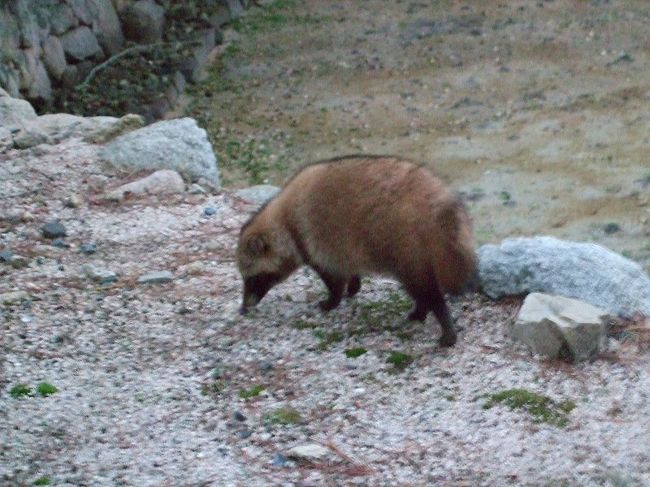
(150, 378)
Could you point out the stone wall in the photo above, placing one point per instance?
(49, 46)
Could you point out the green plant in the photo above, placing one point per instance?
(543, 409)
(283, 416)
(20, 390)
(399, 360)
(327, 339)
(355, 352)
(46, 389)
(252, 392)
(44, 480)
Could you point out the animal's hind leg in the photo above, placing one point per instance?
(354, 284)
(335, 284)
(439, 308)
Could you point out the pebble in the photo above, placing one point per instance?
(73, 201)
(266, 366)
(279, 460)
(5, 256)
(88, 248)
(209, 211)
(60, 243)
(311, 451)
(239, 416)
(19, 262)
(53, 230)
(13, 297)
(243, 434)
(97, 274)
(197, 189)
(159, 277)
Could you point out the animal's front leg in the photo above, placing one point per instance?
(335, 284)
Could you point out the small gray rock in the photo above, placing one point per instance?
(53, 230)
(15, 112)
(160, 277)
(88, 248)
(239, 416)
(14, 297)
(5, 256)
(160, 182)
(556, 327)
(209, 211)
(99, 275)
(311, 452)
(279, 460)
(258, 195)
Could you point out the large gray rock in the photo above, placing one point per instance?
(143, 21)
(54, 57)
(15, 113)
(160, 182)
(80, 44)
(178, 144)
(559, 327)
(258, 195)
(584, 271)
(61, 19)
(106, 25)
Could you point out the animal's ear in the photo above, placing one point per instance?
(258, 244)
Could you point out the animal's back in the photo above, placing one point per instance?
(380, 214)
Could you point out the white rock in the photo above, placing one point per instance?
(160, 182)
(584, 271)
(311, 451)
(13, 297)
(158, 277)
(556, 326)
(14, 112)
(258, 195)
(178, 144)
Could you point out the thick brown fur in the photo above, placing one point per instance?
(356, 215)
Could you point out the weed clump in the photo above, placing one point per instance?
(252, 392)
(283, 416)
(543, 409)
(355, 352)
(399, 360)
(46, 389)
(20, 390)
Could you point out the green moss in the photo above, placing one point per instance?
(304, 325)
(252, 392)
(399, 360)
(20, 390)
(541, 408)
(327, 339)
(355, 352)
(283, 416)
(44, 480)
(46, 389)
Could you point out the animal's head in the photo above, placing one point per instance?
(265, 258)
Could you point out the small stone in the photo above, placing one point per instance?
(209, 211)
(239, 416)
(159, 277)
(88, 249)
(73, 201)
(60, 243)
(19, 262)
(266, 366)
(610, 228)
(243, 434)
(97, 274)
(311, 451)
(259, 194)
(197, 189)
(13, 297)
(5, 256)
(279, 460)
(27, 217)
(53, 230)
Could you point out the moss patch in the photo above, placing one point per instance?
(399, 360)
(283, 416)
(252, 392)
(355, 352)
(46, 389)
(20, 390)
(542, 409)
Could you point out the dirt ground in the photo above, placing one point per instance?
(538, 111)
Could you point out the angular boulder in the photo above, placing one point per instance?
(559, 327)
(180, 145)
(585, 271)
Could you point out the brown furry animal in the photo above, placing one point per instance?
(354, 215)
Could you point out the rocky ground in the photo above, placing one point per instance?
(164, 383)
